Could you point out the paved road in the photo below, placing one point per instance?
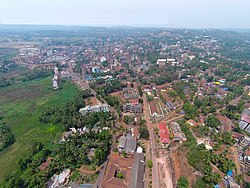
(152, 144)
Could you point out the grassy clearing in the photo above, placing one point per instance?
(20, 107)
(7, 53)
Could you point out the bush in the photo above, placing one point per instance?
(150, 163)
(182, 182)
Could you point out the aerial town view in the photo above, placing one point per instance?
(116, 105)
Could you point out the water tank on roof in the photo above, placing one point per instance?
(139, 150)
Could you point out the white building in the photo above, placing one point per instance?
(96, 108)
(161, 62)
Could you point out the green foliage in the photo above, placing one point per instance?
(143, 130)
(71, 154)
(20, 108)
(112, 86)
(179, 88)
(199, 183)
(6, 136)
(246, 82)
(128, 119)
(247, 184)
(198, 103)
(226, 138)
(36, 73)
(120, 175)
(140, 91)
(196, 157)
(191, 141)
(190, 110)
(150, 163)
(29, 175)
(201, 131)
(182, 182)
(212, 121)
(69, 115)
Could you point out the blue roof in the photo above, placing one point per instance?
(217, 186)
(230, 173)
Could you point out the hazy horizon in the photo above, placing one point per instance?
(191, 14)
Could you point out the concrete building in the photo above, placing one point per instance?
(132, 108)
(137, 174)
(244, 123)
(177, 133)
(96, 108)
(59, 180)
(127, 143)
(161, 62)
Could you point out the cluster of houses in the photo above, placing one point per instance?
(73, 131)
(171, 133)
(133, 106)
(162, 62)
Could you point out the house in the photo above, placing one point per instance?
(45, 165)
(247, 157)
(127, 143)
(164, 133)
(227, 124)
(161, 62)
(237, 136)
(244, 123)
(96, 108)
(132, 107)
(66, 135)
(192, 123)
(244, 141)
(177, 133)
(59, 180)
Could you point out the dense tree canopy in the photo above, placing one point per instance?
(6, 137)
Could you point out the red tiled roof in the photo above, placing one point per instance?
(163, 126)
(236, 134)
(164, 133)
(44, 165)
(164, 137)
(192, 122)
(134, 101)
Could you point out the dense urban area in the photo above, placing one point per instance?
(124, 107)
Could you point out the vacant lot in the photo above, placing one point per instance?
(20, 107)
(182, 168)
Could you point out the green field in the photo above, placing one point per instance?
(7, 53)
(20, 107)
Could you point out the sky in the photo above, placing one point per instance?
(162, 13)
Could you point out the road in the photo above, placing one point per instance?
(152, 144)
(77, 79)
